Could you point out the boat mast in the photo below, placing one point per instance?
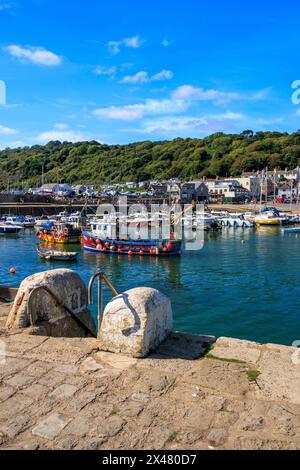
(261, 190)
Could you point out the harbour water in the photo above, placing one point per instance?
(243, 283)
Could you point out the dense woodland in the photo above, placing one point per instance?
(91, 162)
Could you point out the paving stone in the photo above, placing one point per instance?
(19, 380)
(90, 365)
(67, 444)
(14, 406)
(229, 348)
(279, 377)
(131, 409)
(61, 350)
(36, 391)
(28, 444)
(82, 399)
(51, 427)
(140, 397)
(12, 366)
(217, 437)
(109, 427)
(6, 392)
(63, 391)
(38, 369)
(114, 361)
(68, 369)
(80, 426)
(24, 344)
(184, 346)
(219, 376)
(153, 382)
(15, 426)
(90, 444)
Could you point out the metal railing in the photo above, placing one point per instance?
(59, 303)
(101, 277)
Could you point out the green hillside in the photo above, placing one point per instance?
(90, 162)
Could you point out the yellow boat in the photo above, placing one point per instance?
(62, 234)
(273, 221)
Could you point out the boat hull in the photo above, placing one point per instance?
(131, 247)
(61, 240)
(291, 230)
(49, 255)
(10, 230)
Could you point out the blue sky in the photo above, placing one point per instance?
(146, 70)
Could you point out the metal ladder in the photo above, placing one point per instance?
(101, 277)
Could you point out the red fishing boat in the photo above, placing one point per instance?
(163, 247)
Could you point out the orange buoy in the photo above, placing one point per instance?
(141, 252)
(130, 253)
(119, 250)
(12, 271)
(169, 246)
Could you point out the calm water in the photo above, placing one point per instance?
(244, 284)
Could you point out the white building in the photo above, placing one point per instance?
(229, 189)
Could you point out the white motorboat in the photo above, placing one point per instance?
(7, 228)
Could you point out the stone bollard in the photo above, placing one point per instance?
(136, 322)
(45, 316)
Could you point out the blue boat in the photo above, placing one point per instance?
(291, 230)
(166, 247)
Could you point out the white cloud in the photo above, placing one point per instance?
(260, 94)
(62, 135)
(188, 123)
(7, 131)
(102, 70)
(134, 112)
(229, 115)
(124, 113)
(35, 55)
(172, 124)
(143, 77)
(134, 42)
(165, 43)
(140, 77)
(191, 93)
(61, 126)
(163, 75)
(115, 46)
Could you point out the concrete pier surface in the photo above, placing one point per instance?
(62, 393)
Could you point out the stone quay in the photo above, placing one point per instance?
(139, 385)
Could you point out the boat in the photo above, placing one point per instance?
(7, 228)
(291, 230)
(59, 233)
(51, 255)
(162, 247)
(269, 217)
(24, 222)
